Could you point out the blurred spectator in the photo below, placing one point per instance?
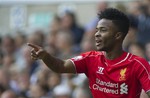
(143, 34)
(90, 28)
(133, 8)
(14, 74)
(4, 79)
(147, 51)
(2, 89)
(42, 78)
(1, 53)
(51, 36)
(62, 91)
(69, 23)
(68, 80)
(8, 94)
(121, 7)
(8, 45)
(140, 11)
(55, 24)
(30, 65)
(1, 59)
(37, 37)
(23, 59)
(131, 36)
(136, 49)
(82, 91)
(64, 44)
(0, 43)
(51, 43)
(87, 44)
(38, 91)
(23, 84)
(8, 61)
(65, 39)
(20, 40)
(54, 79)
(92, 24)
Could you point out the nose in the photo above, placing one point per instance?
(97, 34)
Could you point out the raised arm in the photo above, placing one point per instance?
(55, 64)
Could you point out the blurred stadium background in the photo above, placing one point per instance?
(65, 28)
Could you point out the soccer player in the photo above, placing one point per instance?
(112, 72)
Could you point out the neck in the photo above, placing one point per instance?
(114, 53)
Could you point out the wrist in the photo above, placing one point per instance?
(45, 56)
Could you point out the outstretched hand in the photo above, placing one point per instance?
(37, 52)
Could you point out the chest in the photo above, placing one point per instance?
(123, 72)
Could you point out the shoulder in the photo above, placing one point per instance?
(87, 55)
(140, 62)
(141, 68)
(135, 58)
(92, 53)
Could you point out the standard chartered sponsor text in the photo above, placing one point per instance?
(107, 84)
(112, 87)
(106, 90)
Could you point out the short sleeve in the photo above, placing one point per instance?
(143, 73)
(80, 62)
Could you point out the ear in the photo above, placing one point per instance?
(118, 35)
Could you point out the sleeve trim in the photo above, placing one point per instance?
(74, 65)
(144, 68)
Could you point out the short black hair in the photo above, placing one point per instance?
(118, 18)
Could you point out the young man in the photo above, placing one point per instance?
(112, 72)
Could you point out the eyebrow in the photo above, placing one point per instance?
(100, 27)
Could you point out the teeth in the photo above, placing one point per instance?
(98, 41)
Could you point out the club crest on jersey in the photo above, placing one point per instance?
(122, 74)
(77, 58)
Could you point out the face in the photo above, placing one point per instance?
(105, 35)
(66, 21)
(36, 91)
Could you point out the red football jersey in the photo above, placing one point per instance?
(123, 77)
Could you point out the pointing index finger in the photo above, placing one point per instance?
(36, 47)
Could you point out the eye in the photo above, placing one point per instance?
(103, 30)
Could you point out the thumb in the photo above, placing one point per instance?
(36, 47)
(41, 53)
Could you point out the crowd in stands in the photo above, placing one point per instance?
(22, 77)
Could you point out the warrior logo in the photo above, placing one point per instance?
(100, 70)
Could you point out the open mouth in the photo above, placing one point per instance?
(98, 42)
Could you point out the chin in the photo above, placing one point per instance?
(100, 49)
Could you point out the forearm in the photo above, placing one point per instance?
(55, 64)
